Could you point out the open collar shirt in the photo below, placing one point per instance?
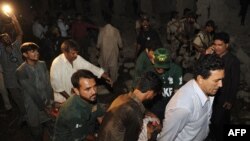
(187, 115)
(61, 72)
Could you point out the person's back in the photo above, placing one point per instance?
(123, 109)
(124, 118)
(109, 42)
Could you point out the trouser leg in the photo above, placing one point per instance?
(18, 99)
(4, 93)
(37, 133)
(219, 119)
(114, 72)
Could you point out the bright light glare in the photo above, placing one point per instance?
(6, 9)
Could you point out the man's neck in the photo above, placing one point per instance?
(31, 62)
(138, 95)
(224, 53)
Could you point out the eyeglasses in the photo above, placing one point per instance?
(13, 58)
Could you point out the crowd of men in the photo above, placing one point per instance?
(160, 105)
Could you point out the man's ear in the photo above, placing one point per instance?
(25, 54)
(227, 45)
(149, 94)
(76, 91)
(200, 79)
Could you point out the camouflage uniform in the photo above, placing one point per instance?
(188, 30)
(173, 32)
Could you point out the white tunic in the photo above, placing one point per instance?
(61, 72)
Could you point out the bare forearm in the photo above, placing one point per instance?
(17, 27)
(107, 78)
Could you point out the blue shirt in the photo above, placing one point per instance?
(187, 115)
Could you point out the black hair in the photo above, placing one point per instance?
(174, 14)
(68, 45)
(210, 23)
(107, 17)
(223, 36)
(78, 14)
(75, 78)
(191, 14)
(59, 14)
(145, 17)
(25, 47)
(186, 11)
(149, 81)
(206, 64)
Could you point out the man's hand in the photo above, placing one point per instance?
(210, 50)
(153, 126)
(13, 17)
(109, 81)
(107, 78)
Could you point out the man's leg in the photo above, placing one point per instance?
(17, 96)
(4, 93)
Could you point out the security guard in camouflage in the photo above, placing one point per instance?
(173, 32)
